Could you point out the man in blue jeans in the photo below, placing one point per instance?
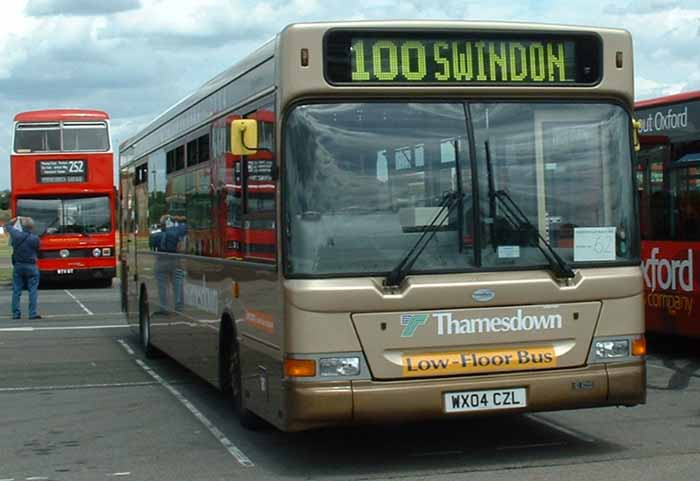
(25, 251)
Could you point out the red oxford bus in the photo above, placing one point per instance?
(63, 177)
(668, 181)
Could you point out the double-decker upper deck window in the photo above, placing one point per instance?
(84, 136)
(62, 137)
(40, 137)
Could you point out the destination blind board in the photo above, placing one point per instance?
(467, 58)
(680, 122)
(61, 171)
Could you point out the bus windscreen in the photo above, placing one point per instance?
(80, 215)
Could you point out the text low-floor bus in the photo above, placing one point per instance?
(62, 167)
(668, 179)
(383, 221)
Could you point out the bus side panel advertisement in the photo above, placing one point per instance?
(672, 294)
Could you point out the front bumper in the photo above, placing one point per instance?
(316, 404)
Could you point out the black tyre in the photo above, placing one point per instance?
(145, 327)
(231, 378)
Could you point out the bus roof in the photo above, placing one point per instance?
(58, 115)
(668, 99)
(248, 62)
(159, 125)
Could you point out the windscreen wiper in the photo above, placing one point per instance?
(447, 205)
(519, 221)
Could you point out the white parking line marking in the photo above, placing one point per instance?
(37, 478)
(63, 328)
(234, 451)
(88, 311)
(437, 453)
(528, 446)
(66, 316)
(125, 473)
(561, 429)
(7, 479)
(76, 386)
(126, 346)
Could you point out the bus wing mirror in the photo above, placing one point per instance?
(637, 127)
(244, 137)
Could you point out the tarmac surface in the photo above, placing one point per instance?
(79, 401)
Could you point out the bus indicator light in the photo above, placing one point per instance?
(300, 368)
(639, 346)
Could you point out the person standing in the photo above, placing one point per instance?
(25, 252)
(168, 271)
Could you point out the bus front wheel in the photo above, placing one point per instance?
(230, 380)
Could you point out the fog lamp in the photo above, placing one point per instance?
(612, 349)
(339, 366)
(106, 251)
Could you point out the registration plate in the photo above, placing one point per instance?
(65, 271)
(467, 401)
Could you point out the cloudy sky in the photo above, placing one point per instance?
(134, 58)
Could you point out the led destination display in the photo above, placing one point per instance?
(461, 59)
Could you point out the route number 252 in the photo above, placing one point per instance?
(76, 166)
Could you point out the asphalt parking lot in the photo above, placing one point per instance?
(78, 401)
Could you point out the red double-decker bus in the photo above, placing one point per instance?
(63, 177)
(668, 181)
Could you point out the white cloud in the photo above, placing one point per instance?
(41, 8)
(135, 58)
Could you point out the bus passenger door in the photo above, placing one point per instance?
(653, 187)
(127, 264)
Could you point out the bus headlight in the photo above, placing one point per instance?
(612, 349)
(623, 348)
(96, 252)
(106, 252)
(339, 366)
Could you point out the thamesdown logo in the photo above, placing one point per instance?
(448, 325)
(410, 323)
